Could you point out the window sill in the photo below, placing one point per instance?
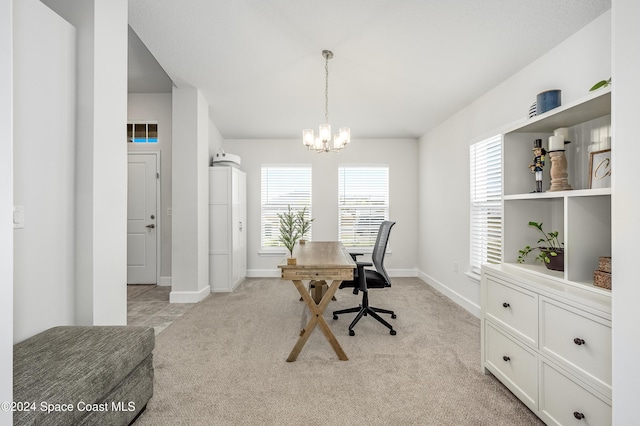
(473, 277)
(272, 252)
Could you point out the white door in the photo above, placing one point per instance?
(142, 219)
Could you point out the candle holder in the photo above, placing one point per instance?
(558, 172)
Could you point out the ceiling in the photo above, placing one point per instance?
(400, 67)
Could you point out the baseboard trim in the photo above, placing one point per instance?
(164, 281)
(189, 296)
(403, 273)
(263, 273)
(467, 304)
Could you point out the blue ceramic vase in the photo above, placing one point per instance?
(547, 101)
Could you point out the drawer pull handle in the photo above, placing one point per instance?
(505, 305)
(578, 415)
(578, 341)
(506, 358)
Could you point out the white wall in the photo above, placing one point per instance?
(573, 66)
(110, 163)
(401, 156)
(81, 17)
(157, 107)
(190, 188)
(44, 131)
(6, 207)
(215, 140)
(625, 207)
(101, 158)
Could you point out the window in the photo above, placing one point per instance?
(486, 203)
(282, 186)
(363, 203)
(142, 132)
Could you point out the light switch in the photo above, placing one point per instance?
(18, 217)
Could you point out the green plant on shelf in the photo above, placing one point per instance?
(602, 83)
(550, 248)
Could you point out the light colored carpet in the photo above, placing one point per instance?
(223, 363)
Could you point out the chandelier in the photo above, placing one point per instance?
(324, 143)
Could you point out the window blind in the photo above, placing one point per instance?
(363, 203)
(282, 186)
(486, 202)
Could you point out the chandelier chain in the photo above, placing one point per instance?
(326, 89)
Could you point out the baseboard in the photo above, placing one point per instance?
(467, 304)
(275, 273)
(164, 281)
(263, 273)
(400, 273)
(189, 296)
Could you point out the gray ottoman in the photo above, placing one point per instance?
(83, 375)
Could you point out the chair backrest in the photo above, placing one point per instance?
(379, 250)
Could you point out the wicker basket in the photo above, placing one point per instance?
(602, 279)
(604, 264)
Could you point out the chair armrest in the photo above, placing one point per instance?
(353, 255)
(362, 276)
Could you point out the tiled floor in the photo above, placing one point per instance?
(149, 305)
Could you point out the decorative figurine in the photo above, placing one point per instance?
(538, 163)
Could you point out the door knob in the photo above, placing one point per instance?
(150, 226)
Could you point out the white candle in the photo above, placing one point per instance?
(556, 143)
(562, 131)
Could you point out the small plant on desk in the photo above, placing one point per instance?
(289, 231)
(304, 224)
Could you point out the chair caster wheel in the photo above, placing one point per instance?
(352, 333)
(335, 317)
(392, 332)
(393, 316)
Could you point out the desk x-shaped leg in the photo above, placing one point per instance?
(317, 319)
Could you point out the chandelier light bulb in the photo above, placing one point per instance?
(325, 132)
(308, 137)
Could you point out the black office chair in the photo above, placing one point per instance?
(364, 279)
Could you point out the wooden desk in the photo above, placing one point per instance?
(318, 260)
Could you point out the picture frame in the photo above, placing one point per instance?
(600, 169)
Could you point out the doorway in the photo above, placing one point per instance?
(143, 222)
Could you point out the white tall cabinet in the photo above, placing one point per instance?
(546, 335)
(227, 228)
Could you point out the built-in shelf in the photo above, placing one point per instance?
(535, 321)
(559, 194)
(595, 105)
(541, 271)
(582, 216)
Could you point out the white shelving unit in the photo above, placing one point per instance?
(582, 216)
(546, 335)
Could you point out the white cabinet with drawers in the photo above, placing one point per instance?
(549, 343)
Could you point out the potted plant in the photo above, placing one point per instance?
(304, 224)
(551, 252)
(289, 232)
(602, 83)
